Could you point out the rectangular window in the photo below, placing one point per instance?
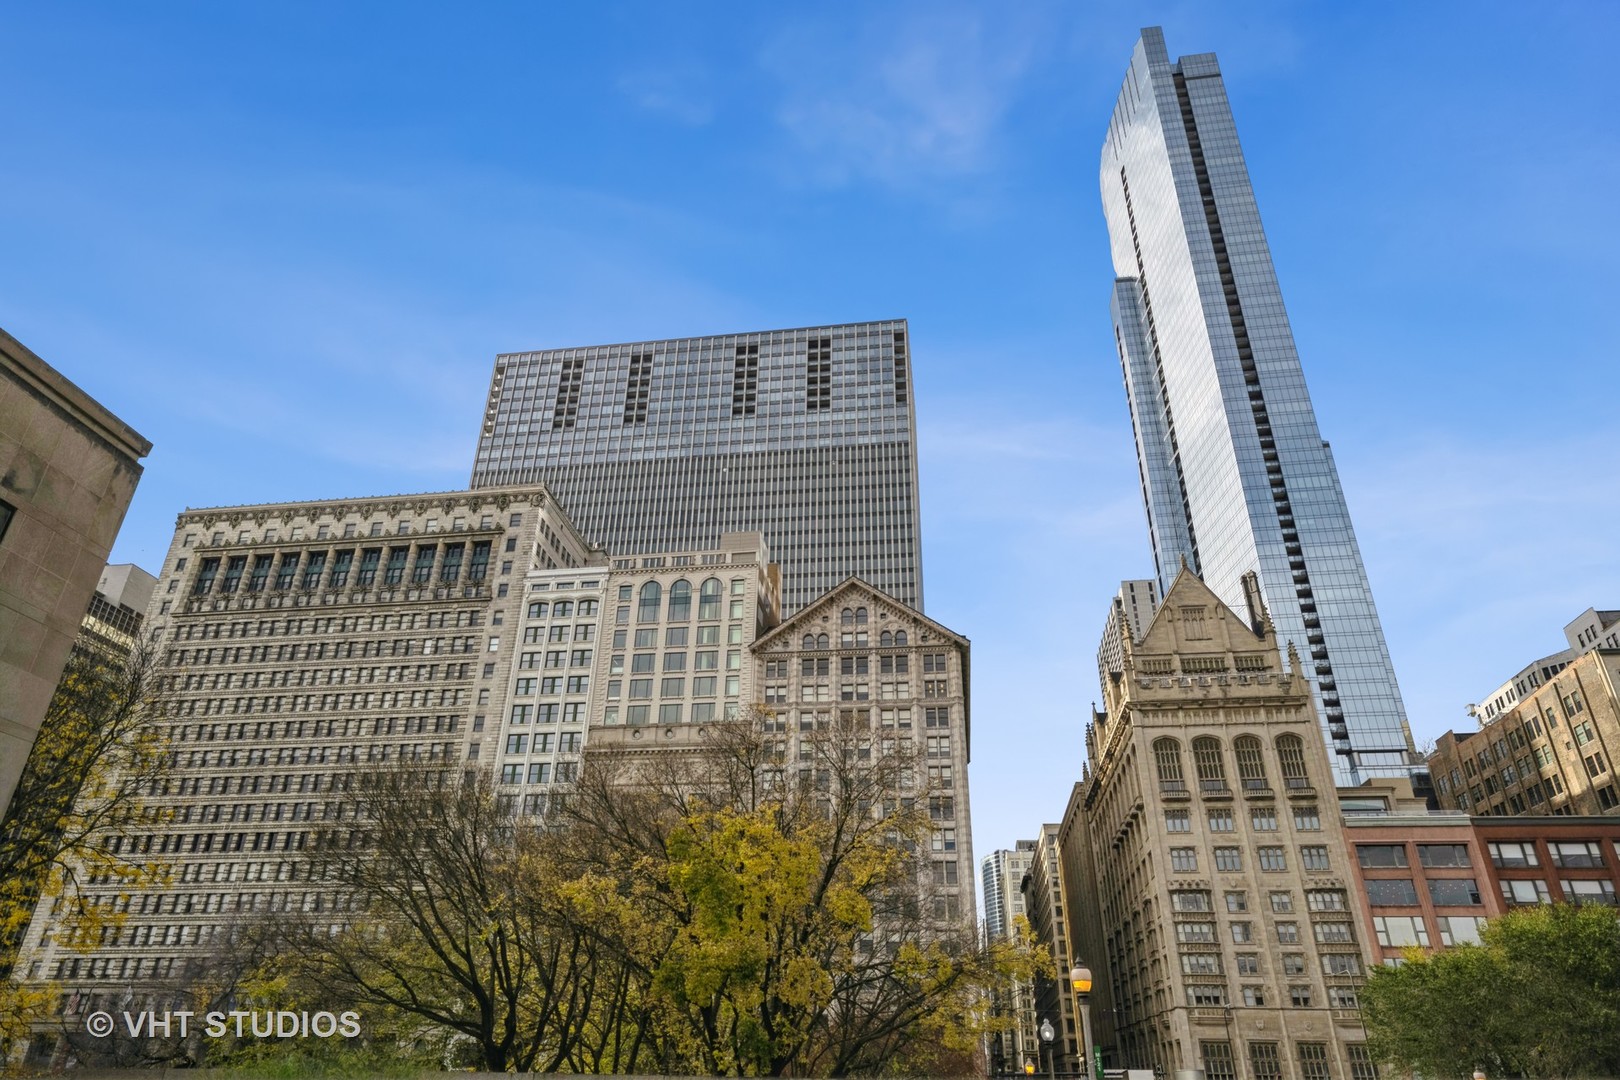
(1237, 902)
(1513, 855)
(1189, 900)
(1218, 1061)
(1201, 963)
(1443, 854)
(1526, 892)
(1271, 858)
(1341, 964)
(1263, 820)
(1264, 1063)
(1577, 853)
(1248, 964)
(1221, 821)
(1326, 900)
(1282, 901)
(1378, 855)
(1335, 933)
(1588, 892)
(1206, 995)
(1183, 859)
(1314, 857)
(1453, 892)
(1288, 932)
(1177, 821)
(1313, 1061)
(1228, 859)
(1460, 929)
(1195, 933)
(1391, 892)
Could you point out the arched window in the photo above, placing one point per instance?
(822, 641)
(562, 607)
(680, 601)
(899, 637)
(809, 641)
(709, 599)
(1251, 765)
(1211, 768)
(1291, 755)
(847, 617)
(860, 616)
(648, 609)
(885, 639)
(1167, 758)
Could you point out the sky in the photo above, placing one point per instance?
(284, 241)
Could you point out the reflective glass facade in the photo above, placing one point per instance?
(805, 435)
(1234, 473)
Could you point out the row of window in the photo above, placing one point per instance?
(1237, 901)
(296, 571)
(1210, 763)
(1271, 858)
(1224, 820)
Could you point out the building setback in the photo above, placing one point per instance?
(68, 469)
(1221, 908)
(808, 436)
(1235, 475)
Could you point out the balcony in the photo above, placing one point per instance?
(1214, 789)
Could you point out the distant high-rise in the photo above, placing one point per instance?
(1234, 472)
(808, 436)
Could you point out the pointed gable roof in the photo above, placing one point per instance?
(851, 592)
(1174, 629)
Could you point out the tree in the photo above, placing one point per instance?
(445, 921)
(1539, 996)
(798, 923)
(88, 778)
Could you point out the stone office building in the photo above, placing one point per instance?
(306, 642)
(68, 469)
(1221, 923)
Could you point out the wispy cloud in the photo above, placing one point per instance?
(905, 99)
(681, 93)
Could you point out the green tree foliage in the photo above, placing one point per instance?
(711, 911)
(1540, 996)
(87, 780)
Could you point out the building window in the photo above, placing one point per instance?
(1237, 902)
(1271, 858)
(1313, 1061)
(1248, 963)
(1211, 767)
(1443, 854)
(1218, 1061)
(1314, 857)
(1526, 892)
(1251, 765)
(1588, 892)
(1184, 859)
(1189, 900)
(1335, 933)
(1578, 853)
(1201, 963)
(1167, 759)
(1291, 756)
(1222, 821)
(1326, 900)
(1361, 1062)
(1453, 892)
(1282, 902)
(1195, 933)
(1381, 855)
(1242, 933)
(1460, 929)
(1254, 996)
(1206, 995)
(1177, 821)
(1341, 964)
(1228, 860)
(1263, 819)
(1288, 932)
(1391, 892)
(1263, 1061)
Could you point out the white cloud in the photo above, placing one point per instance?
(905, 100)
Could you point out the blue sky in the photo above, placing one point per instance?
(284, 241)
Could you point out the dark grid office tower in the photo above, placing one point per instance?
(1234, 472)
(805, 435)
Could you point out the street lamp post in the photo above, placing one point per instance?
(1047, 1035)
(1080, 980)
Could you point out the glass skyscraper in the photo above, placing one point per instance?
(1234, 472)
(805, 435)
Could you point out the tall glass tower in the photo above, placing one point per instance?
(805, 435)
(1234, 472)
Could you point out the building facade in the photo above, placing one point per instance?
(1235, 475)
(1002, 875)
(68, 469)
(1550, 751)
(305, 643)
(868, 663)
(1054, 1001)
(1221, 909)
(808, 436)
